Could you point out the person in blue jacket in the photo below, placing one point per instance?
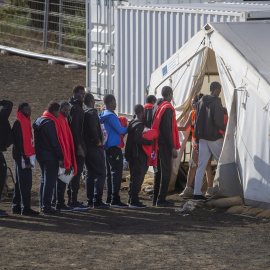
(114, 156)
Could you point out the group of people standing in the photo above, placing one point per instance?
(71, 136)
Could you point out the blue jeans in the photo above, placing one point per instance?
(49, 173)
(95, 174)
(114, 163)
(22, 189)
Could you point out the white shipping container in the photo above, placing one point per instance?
(143, 37)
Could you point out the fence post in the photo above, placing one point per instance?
(45, 24)
(60, 24)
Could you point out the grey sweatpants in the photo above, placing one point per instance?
(206, 149)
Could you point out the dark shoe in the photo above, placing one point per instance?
(118, 205)
(101, 205)
(78, 206)
(63, 208)
(50, 211)
(90, 204)
(16, 210)
(30, 212)
(164, 203)
(199, 198)
(108, 202)
(138, 205)
(3, 213)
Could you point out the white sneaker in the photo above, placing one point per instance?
(209, 192)
(187, 192)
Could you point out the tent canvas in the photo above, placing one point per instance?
(239, 54)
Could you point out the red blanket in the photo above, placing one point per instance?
(225, 123)
(153, 134)
(28, 141)
(148, 106)
(65, 139)
(123, 121)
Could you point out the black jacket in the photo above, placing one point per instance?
(91, 128)
(209, 119)
(6, 136)
(75, 121)
(46, 142)
(135, 141)
(18, 149)
(148, 117)
(165, 127)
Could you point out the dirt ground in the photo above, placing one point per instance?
(153, 238)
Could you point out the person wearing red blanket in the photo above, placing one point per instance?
(23, 149)
(148, 110)
(50, 154)
(166, 141)
(69, 156)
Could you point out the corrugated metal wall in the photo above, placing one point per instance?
(145, 38)
(129, 42)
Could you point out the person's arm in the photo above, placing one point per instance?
(115, 123)
(51, 135)
(219, 116)
(166, 127)
(6, 109)
(137, 137)
(187, 124)
(18, 140)
(92, 123)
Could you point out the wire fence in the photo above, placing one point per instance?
(49, 26)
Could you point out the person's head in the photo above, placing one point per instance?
(78, 92)
(89, 100)
(215, 89)
(139, 111)
(151, 99)
(194, 101)
(110, 102)
(167, 93)
(65, 108)
(25, 109)
(54, 109)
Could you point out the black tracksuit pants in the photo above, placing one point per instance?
(138, 168)
(3, 172)
(162, 173)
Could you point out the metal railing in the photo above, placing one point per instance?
(47, 26)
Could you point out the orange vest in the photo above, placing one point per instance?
(194, 144)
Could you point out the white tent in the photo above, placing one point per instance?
(239, 54)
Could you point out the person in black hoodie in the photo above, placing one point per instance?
(23, 185)
(76, 120)
(6, 139)
(95, 160)
(49, 155)
(136, 156)
(209, 119)
(148, 110)
(166, 150)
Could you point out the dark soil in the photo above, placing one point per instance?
(153, 238)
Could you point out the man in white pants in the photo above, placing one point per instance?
(209, 120)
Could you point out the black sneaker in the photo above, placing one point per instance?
(30, 212)
(63, 208)
(164, 203)
(138, 205)
(101, 205)
(16, 210)
(3, 213)
(199, 198)
(118, 205)
(50, 211)
(108, 202)
(78, 206)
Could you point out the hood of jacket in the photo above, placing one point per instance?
(74, 101)
(208, 99)
(40, 122)
(105, 115)
(133, 125)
